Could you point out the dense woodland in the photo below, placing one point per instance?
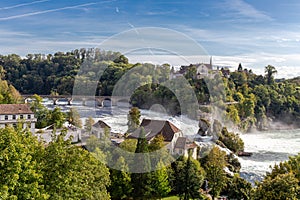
(260, 98)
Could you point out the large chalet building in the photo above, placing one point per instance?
(12, 114)
(174, 140)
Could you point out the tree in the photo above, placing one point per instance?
(238, 188)
(231, 140)
(57, 117)
(215, 173)
(20, 170)
(188, 177)
(270, 71)
(73, 117)
(141, 178)
(88, 124)
(74, 173)
(240, 68)
(283, 186)
(8, 94)
(160, 181)
(120, 187)
(157, 143)
(133, 119)
(282, 182)
(40, 111)
(2, 72)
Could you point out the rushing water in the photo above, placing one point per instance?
(268, 147)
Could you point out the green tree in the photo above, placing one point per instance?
(2, 73)
(283, 186)
(73, 173)
(8, 94)
(188, 178)
(89, 122)
(141, 179)
(73, 118)
(231, 140)
(238, 188)
(20, 169)
(57, 117)
(120, 187)
(270, 71)
(133, 119)
(40, 111)
(215, 173)
(157, 143)
(160, 181)
(129, 145)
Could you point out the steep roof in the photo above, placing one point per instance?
(101, 124)
(15, 109)
(155, 127)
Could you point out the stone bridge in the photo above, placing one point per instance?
(103, 101)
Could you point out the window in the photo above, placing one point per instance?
(6, 117)
(28, 116)
(14, 116)
(21, 117)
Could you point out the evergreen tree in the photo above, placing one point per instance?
(141, 176)
(120, 187)
(188, 178)
(160, 181)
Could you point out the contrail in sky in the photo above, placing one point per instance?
(51, 10)
(23, 4)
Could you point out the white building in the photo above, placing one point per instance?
(12, 114)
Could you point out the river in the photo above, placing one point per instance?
(268, 148)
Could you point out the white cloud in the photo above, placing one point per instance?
(243, 9)
(50, 10)
(23, 4)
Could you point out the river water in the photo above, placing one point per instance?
(268, 148)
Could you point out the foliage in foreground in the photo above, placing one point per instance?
(29, 170)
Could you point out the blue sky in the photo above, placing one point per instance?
(255, 33)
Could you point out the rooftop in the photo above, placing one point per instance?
(11, 109)
(155, 127)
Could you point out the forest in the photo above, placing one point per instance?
(261, 99)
